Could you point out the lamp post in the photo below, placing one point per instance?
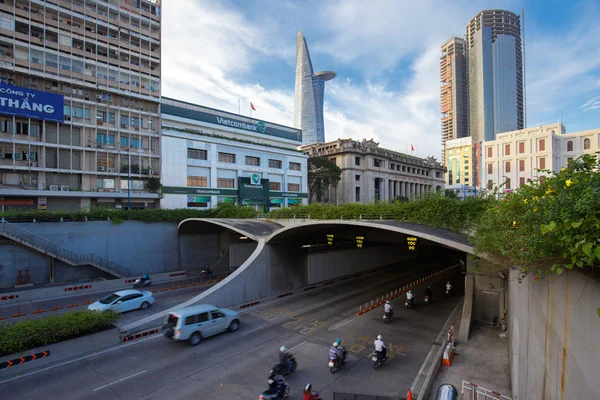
(284, 188)
(129, 178)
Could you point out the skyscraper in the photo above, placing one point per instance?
(495, 74)
(308, 99)
(453, 91)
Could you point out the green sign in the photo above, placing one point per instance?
(289, 194)
(198, 191)
(254, 190)
(196, 199)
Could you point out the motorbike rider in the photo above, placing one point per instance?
(336, 352)
(388, 307)
(145, 277)
(410, 297)
(380, 347)
(448, 287)
(429, 293)
(276, 382)
(308, 394)
(284, 358)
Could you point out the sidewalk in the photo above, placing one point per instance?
(483, 360)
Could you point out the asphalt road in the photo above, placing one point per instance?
(235, 365)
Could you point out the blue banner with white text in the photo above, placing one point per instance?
(31, 103)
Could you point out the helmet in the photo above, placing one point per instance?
(307, 388)
(428, 287)
(283, 349)
(448, 282)
(379, 337)
(410, 291)
(335, 344)
(338, 341)
(387, 302)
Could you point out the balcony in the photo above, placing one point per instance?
(7, 58)
(52, 44)
(7, 33)
(8, 8)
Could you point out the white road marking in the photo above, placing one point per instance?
(78, 359)
(120, 380)
(296, 346)
(342, 323)
(255, 329)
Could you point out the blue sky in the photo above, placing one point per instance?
(386, 56)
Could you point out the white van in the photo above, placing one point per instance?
(198, 322)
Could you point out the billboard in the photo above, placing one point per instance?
(254, 189)
(31, 103)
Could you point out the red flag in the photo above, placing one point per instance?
(252, 106)
(412, 148)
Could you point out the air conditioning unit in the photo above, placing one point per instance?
(54, 188)
(64, 188)
(101, 169)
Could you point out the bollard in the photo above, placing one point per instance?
(38, 310)
(446, 392)
(18, 314)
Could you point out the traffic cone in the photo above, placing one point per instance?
(409, 395)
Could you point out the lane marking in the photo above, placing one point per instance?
(344, 322)
(120, 380)
(255, 329)
(79, 359)
(296, 346)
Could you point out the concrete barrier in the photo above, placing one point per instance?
(465, 323)
(68, 349)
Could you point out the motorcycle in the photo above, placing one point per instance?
(282, 369)
(336, 364)
(448, 292)
(388, 317)
(138, 283)
(377, 359)
(206, 274)
(280, 392)
(409, 304)
(427, 301)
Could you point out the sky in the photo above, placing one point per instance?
(386, 53)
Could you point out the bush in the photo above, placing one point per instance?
(34, 333)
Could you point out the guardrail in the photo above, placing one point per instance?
(63, 252)
(361, 217)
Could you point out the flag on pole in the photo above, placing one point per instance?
(252, 106)
(412, 148)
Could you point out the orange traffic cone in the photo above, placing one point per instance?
(409, 395)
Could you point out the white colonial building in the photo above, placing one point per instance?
(371, 173)
(211, 156)
(514, 157)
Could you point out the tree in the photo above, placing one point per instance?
(153, 184)
(450, 194)
(322, 174)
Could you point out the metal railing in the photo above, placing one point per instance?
(361, 217)
(476, 392)
(63, 252)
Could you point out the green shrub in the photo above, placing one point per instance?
(35, 333)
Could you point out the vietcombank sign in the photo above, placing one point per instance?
(260, 126)
(31, 103)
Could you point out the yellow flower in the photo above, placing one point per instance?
(563, 169)
(543, 197)
(535, 198)
(569, 182)
(514, 223)
(525, 201)
(535, 210)
(549, 191)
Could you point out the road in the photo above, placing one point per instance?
(236, 365)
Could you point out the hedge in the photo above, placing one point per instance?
(35, 333)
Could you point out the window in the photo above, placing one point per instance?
(357, 193)
(542, 145)
(489, 152)
(507, 166)
(136, 122)
(521, 181)
(102, 138)
(275, 164)
(216, 314)
(357, 178)
(357, 161)
(542, 163)
(105, 183)
(191, 320)
(125, 142)
(254, 161)
(226, 157)
(507, 149)
(391, 166)
(80, 112)
(332, 159)
(489, 166)
(293, 187)
(586, 144)
(67, 111)
(202, 317)
(466, 161)
(294, 166)
(521, 147)
(197, 154)
(569, 160)
(376, 162)
(124, 121)
(490, 184)
(570, 145)
(227, 183)
(274, 185)
(507, 183)
(466, 168)
(521, 165)
(201, 181)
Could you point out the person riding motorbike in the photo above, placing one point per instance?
(308, 394)
(276, 382)
(144, 277)
(429, 293)
(410, 297)
(388, 307)
(284, 358)
(380, 347)
(448, 287)
(336, 352)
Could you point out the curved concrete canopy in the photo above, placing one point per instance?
(439, 236)
(325, 75)
(252, 228)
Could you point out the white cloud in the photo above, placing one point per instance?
(591, 104)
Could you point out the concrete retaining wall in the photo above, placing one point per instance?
(239, 252)
(553, 337)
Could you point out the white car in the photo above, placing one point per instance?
(124, 300)
(198, 322)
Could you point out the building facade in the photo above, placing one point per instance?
(459, 161)
(514, 157)
(309, 95)
(371, 173)
(79, 103)
(495, 74)
(453, 92)
(211, 156)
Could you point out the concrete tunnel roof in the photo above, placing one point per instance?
(252, 228)
(443, 237)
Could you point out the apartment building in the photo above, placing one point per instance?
(371, 173)
(213, 156)
(514, 157)
(96, 65)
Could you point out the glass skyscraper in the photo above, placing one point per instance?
(309, 94)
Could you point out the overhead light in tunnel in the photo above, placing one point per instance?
(304, 246)
(243, 237)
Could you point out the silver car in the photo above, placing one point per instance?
(198, 322)
(124, 300)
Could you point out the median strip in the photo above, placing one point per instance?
(19, 361)
(140, 335)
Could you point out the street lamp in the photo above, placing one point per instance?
(129, 178)
(284, 188)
